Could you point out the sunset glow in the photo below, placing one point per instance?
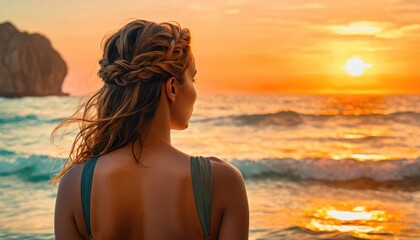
(245, 46)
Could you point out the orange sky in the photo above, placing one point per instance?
(288, 46)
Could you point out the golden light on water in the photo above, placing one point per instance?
(362, 157)
(371, 157)
(348, 216)
(358, 231)
(353, 135)
(358, 221)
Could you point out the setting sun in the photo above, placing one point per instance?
(355, 66)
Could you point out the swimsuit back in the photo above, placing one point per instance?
(202, 184)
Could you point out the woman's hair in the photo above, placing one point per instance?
(136, 61)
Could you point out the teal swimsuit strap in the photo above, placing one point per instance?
(202, 181)
(86, 187)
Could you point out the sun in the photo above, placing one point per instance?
(355, 66)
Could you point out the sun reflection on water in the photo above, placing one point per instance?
(363, 157)
(358, 221)
(345, 215)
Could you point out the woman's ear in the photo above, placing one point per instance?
(170, 88)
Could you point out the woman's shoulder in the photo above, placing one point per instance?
(223, 165)
(73, 174)
(69, 186)
(230, 190)
(70, 181)
(225, 171)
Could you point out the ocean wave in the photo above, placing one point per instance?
(357, 139)
(329, 169)
(281, 118)
(292, 118)
(14, 119)
(31, 167)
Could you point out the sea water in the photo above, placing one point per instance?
(315, 166)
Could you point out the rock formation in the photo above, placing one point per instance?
(29, 66)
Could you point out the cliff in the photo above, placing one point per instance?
(29, 66)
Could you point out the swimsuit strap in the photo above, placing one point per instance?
(202, 181)
(86, 187)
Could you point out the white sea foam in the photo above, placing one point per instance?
(329, 169)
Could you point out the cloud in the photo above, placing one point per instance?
(304, 6)
(357, 28)
(384, 30)
(399, 32)
(232, 11)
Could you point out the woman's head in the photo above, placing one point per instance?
(142, 63)
(138, 61)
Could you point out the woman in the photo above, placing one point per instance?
(124, 179)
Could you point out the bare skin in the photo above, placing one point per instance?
(132, 202)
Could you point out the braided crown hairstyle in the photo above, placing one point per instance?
(137, 60)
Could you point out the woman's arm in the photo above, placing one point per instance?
(235, 218)
(64, 223)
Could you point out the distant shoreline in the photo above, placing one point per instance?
(20, 95)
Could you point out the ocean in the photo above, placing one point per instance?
(315, 166)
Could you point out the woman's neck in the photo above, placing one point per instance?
(159, 130)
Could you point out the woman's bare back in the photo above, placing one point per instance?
(156, 201)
